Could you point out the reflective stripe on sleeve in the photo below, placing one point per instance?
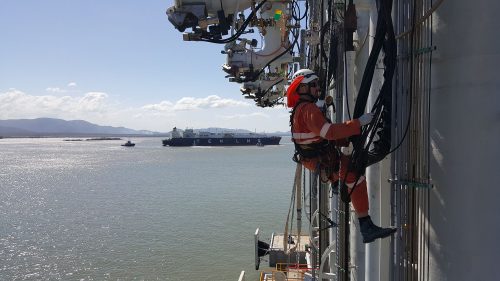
(351, 185)
(308, 141)
(324, 129)
(303, 135)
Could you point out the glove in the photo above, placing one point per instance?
(365, 119)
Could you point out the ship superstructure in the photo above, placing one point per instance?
(428, 70)
(191, 138)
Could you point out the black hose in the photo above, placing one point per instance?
(240, 31)
(381, 124)
(256, 75)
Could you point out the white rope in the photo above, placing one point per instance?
(296, 181)
(298, 197)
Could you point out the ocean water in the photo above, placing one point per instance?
(93, 210)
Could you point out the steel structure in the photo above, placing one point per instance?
(429, 69)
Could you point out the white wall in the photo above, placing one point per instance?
(465, 139)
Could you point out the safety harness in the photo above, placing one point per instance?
(325, 151)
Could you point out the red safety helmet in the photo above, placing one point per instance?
(302, 76)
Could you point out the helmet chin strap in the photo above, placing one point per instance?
(308, 97)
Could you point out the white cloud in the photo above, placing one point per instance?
(55, 90)
(162, 106)
(93, 101)
(99, 108)
(58, 90)
(190, 103)
(17, 104)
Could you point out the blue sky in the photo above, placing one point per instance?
(118, 63)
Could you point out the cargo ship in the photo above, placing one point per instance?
(419, 67)
(190, 138)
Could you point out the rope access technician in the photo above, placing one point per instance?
(317, 141)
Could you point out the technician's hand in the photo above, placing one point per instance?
(365, 119)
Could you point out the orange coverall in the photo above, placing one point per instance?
(310, 126)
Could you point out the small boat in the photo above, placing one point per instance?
(129, 143)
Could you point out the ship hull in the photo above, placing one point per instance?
(242, 141)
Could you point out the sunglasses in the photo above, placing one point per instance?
(313, 84)
(309, 75)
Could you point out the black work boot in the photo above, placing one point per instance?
(371, 232)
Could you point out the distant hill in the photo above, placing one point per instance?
(58, 127)
(51, 127)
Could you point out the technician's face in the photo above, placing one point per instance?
(314, 88)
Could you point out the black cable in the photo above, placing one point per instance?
(295, 8)
(299, 17)
(344, 35)
(332, 61)
(358, 159)
(382, 106)
(325, 27)
(410, 94)
(366, 81)
(256, 75)
(325, 59)
(428, 151)
(327, 219)
(296, 14)
(321, 50)
(240, 31)
(267, 90)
